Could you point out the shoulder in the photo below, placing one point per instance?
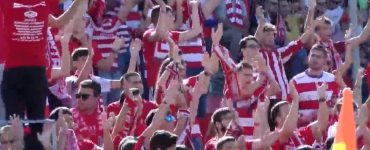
(300, 76)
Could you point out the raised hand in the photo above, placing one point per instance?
(217, 34)
(17, 126)
(117, 44)
(108, 124)
(172, 91)
(311, 4)
(44, 137)
(207, 63)
(321, 90)
(61, 120)
(136, 46)
(260, 64)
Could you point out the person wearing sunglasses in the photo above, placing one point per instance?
(88, 113)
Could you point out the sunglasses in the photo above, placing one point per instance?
(82, 96)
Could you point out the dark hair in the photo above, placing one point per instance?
(127, 143)
(128, 75)
(243, 42)
(243, 65)
(154, 16)
(55, 113)
(224, 140)
(320, 48)
(181, 147)
(150, 116)
(162, 139)
(219, 113)
(91, 84)
(274, 113)
(79, 52)
(305, 147)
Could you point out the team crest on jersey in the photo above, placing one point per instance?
(30, 14)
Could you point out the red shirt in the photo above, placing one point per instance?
(275, 61)
(300, 137)
(88, 126)
(154, 53)
(2, 39)
(25, 32)
(140, 125)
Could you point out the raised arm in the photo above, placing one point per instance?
(364, 35)
(134, 51)
(118, 126)
(160, 29)
(290, 123)
(107, 138)
(319, 126)
(344, 66)
(77, 8)
(196, 28)
(125, 8)
(357, 91)
(179, 14)
(209, 7)
(261, 22)
(88, 67)
(65, 69)
(310, 14)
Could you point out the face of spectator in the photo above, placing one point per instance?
(6, 138)
(135, 82)
(272, 6)
(225, 120)
(284, 8)
(245, 76)
(231, 145)
(87, 101)
(316, 60)
(321, 5)
(269, 38)
(332, 4)
(251, 49)
(79, 64)
(324, 31)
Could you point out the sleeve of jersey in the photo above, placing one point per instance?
(292, 48)
(248, 145)
(228, 67)
(140, 143)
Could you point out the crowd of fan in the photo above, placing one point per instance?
(181, 74)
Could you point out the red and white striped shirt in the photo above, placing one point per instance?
(234, 12)
(275, 59)
(154, 53)
(308, 96)
(105, 35)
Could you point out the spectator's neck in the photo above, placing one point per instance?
(314, 73)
